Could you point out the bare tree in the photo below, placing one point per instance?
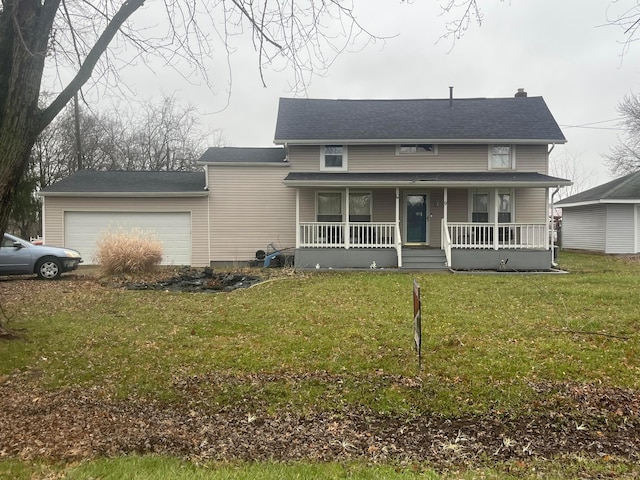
(573, 168)
(99, 37)
(140, 136)
(624, 157)
(625, 15)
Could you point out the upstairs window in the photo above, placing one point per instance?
(501, 157)
(333, 157)
(417, 149)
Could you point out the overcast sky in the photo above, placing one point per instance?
(559, 50)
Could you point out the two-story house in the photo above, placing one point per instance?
(460, 183)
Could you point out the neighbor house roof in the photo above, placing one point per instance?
(621, 190)
(460, 120)
(126, 183)
(431, 179)
(236, 155)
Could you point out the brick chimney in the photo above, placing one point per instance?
(521, 93)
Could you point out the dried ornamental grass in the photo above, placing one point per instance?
(133, 251)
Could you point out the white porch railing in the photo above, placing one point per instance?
(361, 235)
(499, 236)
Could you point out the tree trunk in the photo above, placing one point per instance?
(25, 26)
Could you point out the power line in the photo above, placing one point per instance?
(590, 125)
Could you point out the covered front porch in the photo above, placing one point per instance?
(370, 225)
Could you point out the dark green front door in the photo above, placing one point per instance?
(417, 218)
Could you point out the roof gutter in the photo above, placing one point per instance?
(420, 183)
(440, 141)
(202, 193)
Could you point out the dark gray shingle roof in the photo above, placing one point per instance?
(440, 178)
(517, 118)
(243, 155)
(119, 181)
(623, 188)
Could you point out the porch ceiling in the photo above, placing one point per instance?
(427, 179)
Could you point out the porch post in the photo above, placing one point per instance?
(446, 205)
(297, 217)
(398, 240)
(496, 209)
(347, 229)
(444, 219)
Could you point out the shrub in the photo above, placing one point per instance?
(128, 252)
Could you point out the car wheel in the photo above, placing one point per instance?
(48, 268)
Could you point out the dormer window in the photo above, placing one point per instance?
(502, 157)
(417, 149)
(333, 157)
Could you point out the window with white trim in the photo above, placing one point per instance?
(359, 206)
(504, 207)
(329, 206)
(502, 157)
(333, 157)
(417, 149)
(480, 207)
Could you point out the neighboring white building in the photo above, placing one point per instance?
(605, 218)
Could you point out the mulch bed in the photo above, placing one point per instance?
(194, 280)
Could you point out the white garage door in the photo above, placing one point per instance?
(82, 230)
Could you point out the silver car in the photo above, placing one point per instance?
(19, 257)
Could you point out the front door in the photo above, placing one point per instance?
(417, 218)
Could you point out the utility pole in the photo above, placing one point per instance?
(76, 121)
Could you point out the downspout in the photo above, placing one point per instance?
(398, 239)
(206, 187)
(298, 218)
(44, 216)
(553, 223)
(553, 228)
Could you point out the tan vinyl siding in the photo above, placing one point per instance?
(55, 207)
(450, 158)
(458, 205)
(530, 205)
(583, 228)
(307, 205)
(532, 158)
(250, 208)
(384, 205)
(304, 158)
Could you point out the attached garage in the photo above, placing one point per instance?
(83, 230)
(172, 207)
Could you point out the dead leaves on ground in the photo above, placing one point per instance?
(76, 424)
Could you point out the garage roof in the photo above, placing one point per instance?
(136, 183)
(621, 190)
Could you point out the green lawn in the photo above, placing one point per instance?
(323, 341)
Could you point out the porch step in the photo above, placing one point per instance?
(423, 259)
